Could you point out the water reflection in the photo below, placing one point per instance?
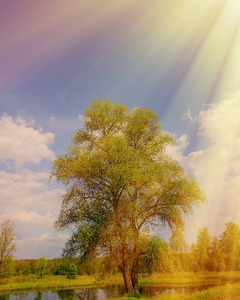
(4, 297)
(87, 294)
(38, 296)
(66, 294)
(113, 291)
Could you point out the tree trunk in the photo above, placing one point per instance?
(125, 269)
(129, 269)
(128, 283)
(134, 275)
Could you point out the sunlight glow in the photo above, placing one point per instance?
(235, 6)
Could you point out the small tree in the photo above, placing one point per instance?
(230, 246)
(7, 248)
(201, 251)
(216, 256)
(72, 271)
(67, 268)
(41, 267)
(55, 267)
(27, 270)
(179, 247)
(63, 267)
(155, 255)
(8, 268)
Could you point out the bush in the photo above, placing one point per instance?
(221, 267)
(66, 268)
(7, 267)
(72, 271)
(54, 269)
(63, 267)
(27, 270)
(195, 267)
(41, 267)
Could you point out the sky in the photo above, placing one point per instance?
(179, 58)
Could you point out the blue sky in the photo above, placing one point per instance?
(179, 58)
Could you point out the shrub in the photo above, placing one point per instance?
(221, 267)
(195, 267)
(72, 271)
(7, 267)
(66, 268)
(27, 270)
(63, 267)
(41, 267)
(55, 268)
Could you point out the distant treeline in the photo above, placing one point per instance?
(207, 254)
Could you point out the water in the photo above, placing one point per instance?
(67, 294)
(112, 291)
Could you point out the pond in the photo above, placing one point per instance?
(102, 293)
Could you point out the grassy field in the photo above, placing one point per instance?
(228, 290)
(51, 281)
(229, 279)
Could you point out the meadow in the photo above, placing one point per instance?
(220, 284)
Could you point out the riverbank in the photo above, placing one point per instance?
(31, 282)
(225, 292)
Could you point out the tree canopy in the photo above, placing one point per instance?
(120, 181)
(7, 248)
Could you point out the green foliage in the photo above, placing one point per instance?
(38, 295)
(177, 242)
(230, 245)
(72, 271)
(194, 267)
(179, 251)
(33, 266)
(27, 270)
(66, 294)
(8, 267)
(221, 267)
(7, 248)
(41, 267)
(55, 267)
(201, 251)
(49, 267)
(120, 179)
(65, 267)
(156, 257)
(21, 265)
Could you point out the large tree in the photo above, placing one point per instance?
(7, 248)
(120, 181)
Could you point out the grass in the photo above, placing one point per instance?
(224, 281)
(228, 290)
(190, 279)
(25, 283)
(50, 281)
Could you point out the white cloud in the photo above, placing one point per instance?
(26, 196)
(48, 244)
(221, 124)
(28, 190)
(188, 116)
(27, 199)
(218, 167)
(21, 143)
(188, 162)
